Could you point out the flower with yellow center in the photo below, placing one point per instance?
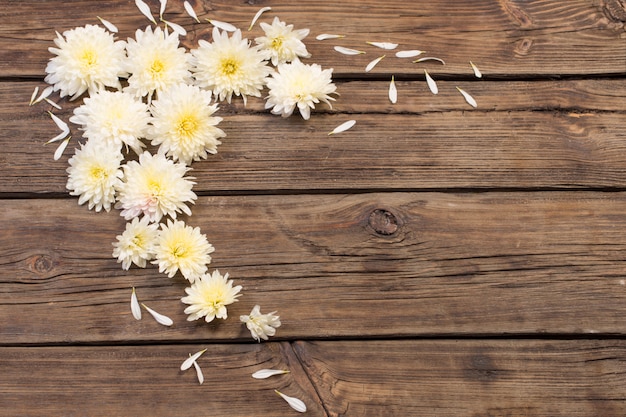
(229, 65)
(209, 296)
(87, 59)
(136, 244)
(183, 124)
(182, 248)
(261, 326)
(282, 42)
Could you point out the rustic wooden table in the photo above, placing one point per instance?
(434, 260)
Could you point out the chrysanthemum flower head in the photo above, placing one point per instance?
(136, 245)
(183, 123)
(261, 326)
(87, 59)
(209, 296)
(155, 62)
(94, 173)
(182, 248)
(282, 42)
(229, 65)
(155, 187)
(113, 117)
(301, 85)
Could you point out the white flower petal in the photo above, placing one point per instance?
(222, 25)
(266, 373)
(342, 127)
(393, 92)
(60, 123)
(432, 85)
(294, 403)
(409, 54)
(60, 136)
(348, 51)
(257, 15)
(52, 103)
(32, 97)
(373, 63)
(134, 305)
(162, 9)
(145, 10)
(191, 359)
(45, 94)
(199, 372)
(430, 58)
(470, 100)
(61, 148)
(178, 29)
(110, 26)
(190, 11)
(477, 72)
(160, 318)
(383, 45)
(324, 36)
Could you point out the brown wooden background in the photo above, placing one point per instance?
(435, 260)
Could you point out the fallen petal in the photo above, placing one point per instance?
(342, 127)
(60, 123)
(162, 10)
(348, 51)
(61, 148)
(470, 100)
(160, 318)
(430, 58)
(383, 45)
(44, 94)
(145, 10)
(191, 359)
(222, 25)
(477, 72)
(432, 85)
(409, 54)
(190, 11)
(199, 372)
(257, 15)
(393, 93)
(372, 64)
(178, 29)
(60, 136)
(324, 36)
(52, 103)
(134, 305)
(32, 97)
(110, 26)
(266, 373)
(294, 403)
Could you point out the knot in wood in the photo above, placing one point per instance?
(41, 264)
(383, 222)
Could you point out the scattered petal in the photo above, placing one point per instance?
(145, 10)
(160, 318)
(372, 64)
(60, 123)
(32, 97)
(430, 58)
(134, 305)
(199, 372)
(325, 36)
(44, 94)
(222, 25)
(348, 51)
(60, 136)
(52, 103)
(477, 72)
(61, 148)
(383, 45)
(294, 403)
(257, 15)
(266, 373)
(470, 100)
(178, 29)
(393, 92)
(110, 26)
(409, 54)
(190, 11)
(162, 10)
(191, 359)
(342, 127)
(432, 85)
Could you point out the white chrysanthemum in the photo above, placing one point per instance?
(261, 326)
(94, 173)
(155, 62)
(298, 84)
(282, 42)
(182, 248)
(155, 187)
(87, 59)
(229, 65)
(113, 117)
(136, 245)
(209, 296)
(183, 123)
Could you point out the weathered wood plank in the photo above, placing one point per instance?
(506, 38)
(333, 266)
(475, 378)
(141, 380)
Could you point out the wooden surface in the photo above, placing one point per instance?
(435, 260)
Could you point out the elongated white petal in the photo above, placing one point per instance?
(52, 103)
(348, 51)
(160, 318)
(178, 29)
(60, 123)
(342, 127)
(266, 373)
(409, 54)
(162, 9)
(199, 372)
(61, 148)
(222, 25)
(477, 72)
(110, 26)
(294, 403)
(190, 11)
(32, 96)
(190, 360)
(470, 100)
(383, 45)
(393, 92)
(324, 36)
(432, 85)
(44, 94)
(430, 58)
(135, 308)
(58, 137)
(257, 15)
(145, 10)
(373, 63)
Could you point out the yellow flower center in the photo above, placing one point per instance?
(179, 250)
(277, 42)
(157, 68)
(139, 241)
(98, 173)
(229, 66)
(187, 126)
(88, 59)
(155, 188)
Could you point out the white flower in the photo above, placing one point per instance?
(282, 42)
(155, 62)
(229, 65)
(301, 85)
(113, 117)
(155, 187)
(182, 248)
(209, 296)
(136, 244)
(87, 59)
(261, 326)
(183, 124)
(94, 173)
